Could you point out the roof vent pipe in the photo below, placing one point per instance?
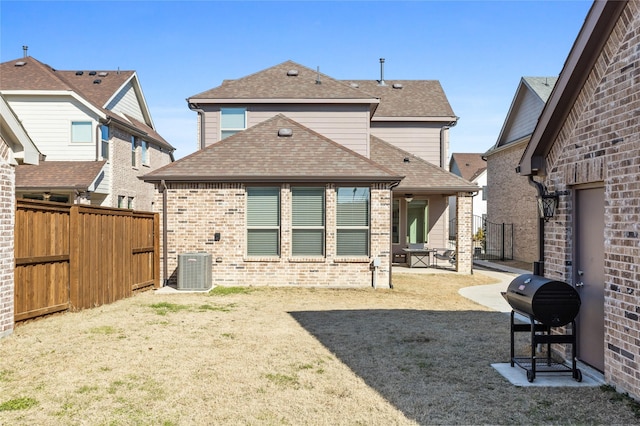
(318, 76)
(381, 81)
(24, 51)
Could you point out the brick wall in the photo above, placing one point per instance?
(464, 232)
(600, 143)
(124, 180)
(7, 218)
(510, 199)
(197, 211)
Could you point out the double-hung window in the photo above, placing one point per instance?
(104, 137)
(308, 212)
(81, 132)
(232, 121)
(352, 221)
(263, 221)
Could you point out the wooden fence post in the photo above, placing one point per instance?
(75, 290)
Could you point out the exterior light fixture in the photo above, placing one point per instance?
(408, 197)
(547, 204)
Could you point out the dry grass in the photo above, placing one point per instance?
(418, 354)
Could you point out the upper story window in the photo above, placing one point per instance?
(81, 132)
(145, 153)
(263, 221)
(232, 121)
(133, 151)
(308, 212)
(352, 230)
(104, 137)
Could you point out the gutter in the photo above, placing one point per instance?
(538, 267)
(443, 135)
(195, 107)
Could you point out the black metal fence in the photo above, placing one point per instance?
(491, 241)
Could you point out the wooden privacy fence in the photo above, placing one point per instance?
(72, 257)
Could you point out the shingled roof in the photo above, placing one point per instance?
(287, 80)
(420, 175)
(408, 98)
(260, 154)
(79, 175)
(471, 165)
(30, 74)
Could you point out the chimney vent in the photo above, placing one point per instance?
(285, 132)
(318, 77)
(24, 51)
(381, 81)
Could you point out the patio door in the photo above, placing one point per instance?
(417, 221)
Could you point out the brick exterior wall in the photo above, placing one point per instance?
(600, 143)
(124, 176)
(7, 219)
(195, 212)
(510, 199)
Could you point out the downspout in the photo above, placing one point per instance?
(538, 267)
(444, 133)
(165, 272)
(200, 111)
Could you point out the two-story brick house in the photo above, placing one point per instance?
(94, 130)
(292, 185)
(585, 151)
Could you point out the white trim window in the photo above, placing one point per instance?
(352, 221)
(133, 151)
(232, 121)
(81, 132)
(307, 221)
(263, 221)
(145, 153)
(104, 138)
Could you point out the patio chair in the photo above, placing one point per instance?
(448, 255)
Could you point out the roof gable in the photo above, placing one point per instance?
(526, 106)
(287, 80)
(591, 39)
(259, 154)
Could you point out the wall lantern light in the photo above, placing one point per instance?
(547, 203)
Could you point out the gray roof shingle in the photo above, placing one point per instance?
(469, 164)
(258, 154)
(58, 175)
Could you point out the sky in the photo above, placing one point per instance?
(478, 50)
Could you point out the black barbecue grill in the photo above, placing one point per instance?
(546, 303)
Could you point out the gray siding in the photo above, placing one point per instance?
(126, 101)
(528, 110)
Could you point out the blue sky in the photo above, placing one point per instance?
(478, 50)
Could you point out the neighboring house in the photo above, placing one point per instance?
(586, 151)
(15, 148)
(363, 209)
(510, 197)
(93, 128)
(472, 167)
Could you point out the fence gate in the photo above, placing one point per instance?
(491, 241)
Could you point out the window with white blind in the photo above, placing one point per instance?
(81, 132)
(308, 212)
(263, 221)
(352, 221)
(232, 121)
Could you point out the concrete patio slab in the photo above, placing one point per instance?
(518, 376)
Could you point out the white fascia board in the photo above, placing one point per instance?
(447, 119)
(70, 93)
(282, 101)
(29, 153)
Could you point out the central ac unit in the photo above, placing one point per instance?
(194, 271)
